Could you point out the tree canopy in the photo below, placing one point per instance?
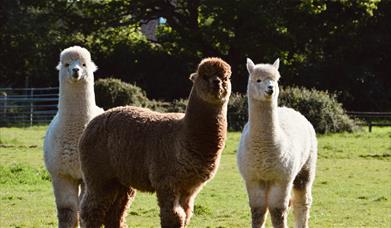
(341, 46)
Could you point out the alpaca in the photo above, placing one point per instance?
(76, 107)
(277, 152)
(174, 154)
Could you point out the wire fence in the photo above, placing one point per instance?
(27, 106)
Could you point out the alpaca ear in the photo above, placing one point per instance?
(250, 66)
(193, 77)
(58, 67)
(93, 67)
(276, 63)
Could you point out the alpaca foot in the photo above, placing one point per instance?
(67, 217)
(173, 218)
(279, 217)
(258, 215)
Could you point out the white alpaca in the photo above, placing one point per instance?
(76, 107)
(277, 152)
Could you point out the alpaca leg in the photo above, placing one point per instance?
(257, 199)
(66, 193)
(302, 198)
(187, 203)
(278, 201)
(96, 203)
(117, 212)
(172, 215)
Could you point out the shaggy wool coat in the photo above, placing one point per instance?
(172, 154)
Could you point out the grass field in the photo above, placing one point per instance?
(352, 188)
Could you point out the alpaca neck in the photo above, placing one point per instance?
(76, 99)
(263, 120)
(206, 126)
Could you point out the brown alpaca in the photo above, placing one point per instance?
(128, 148)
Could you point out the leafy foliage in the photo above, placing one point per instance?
(339, 46)
(319, 107)
(237, 112)
(113, 92)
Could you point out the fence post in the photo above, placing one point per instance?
(370, 126)
(5, 106)
(31, 107)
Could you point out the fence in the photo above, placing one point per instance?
(27, 106)
(380, 119)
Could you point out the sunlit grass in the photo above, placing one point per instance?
(352, 188)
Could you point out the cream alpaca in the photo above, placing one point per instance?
(76, 108)
(173, 154)
(277, 152)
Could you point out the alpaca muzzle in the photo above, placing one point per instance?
(75, 73)
(269, 90)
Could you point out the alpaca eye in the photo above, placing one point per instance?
(259, 80)
(66, 64)
(84, 64)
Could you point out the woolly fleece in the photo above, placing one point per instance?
(277, 152)
(173, 154)
(75, 109)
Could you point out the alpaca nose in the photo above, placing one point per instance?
(216, 83)
(270, 90)
(75, 72)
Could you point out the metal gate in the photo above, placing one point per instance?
(27, 106)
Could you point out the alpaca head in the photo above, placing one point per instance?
(76, 65)
(211, 82)
(263, 81)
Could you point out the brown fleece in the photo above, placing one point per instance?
(172, 154)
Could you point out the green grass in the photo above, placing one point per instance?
(352, 188)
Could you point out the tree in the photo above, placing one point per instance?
(331, 45)
(319, 41)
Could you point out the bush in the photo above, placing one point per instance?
(237, 112)
(177, 106)
(320, 108)
(163, 106)
(158, 106)
(111, 92)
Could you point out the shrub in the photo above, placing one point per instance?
(237, 112)
(111, 92)
(159, 106)
(177, 106)
(163, 106)
(319, 107)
